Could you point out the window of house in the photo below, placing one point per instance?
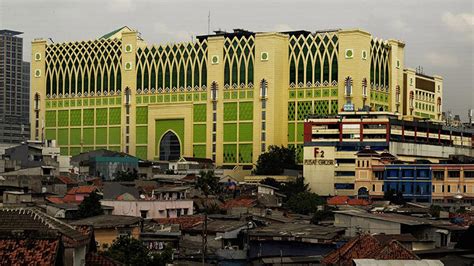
(144, 214)
(186, 211)
(438, 175)
(392, 173)
(407, 173)
(469, 174)
(373, 188)
(378, 175)
(449, 188)
(434, 188)
(454, 174)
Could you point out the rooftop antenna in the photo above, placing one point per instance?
(209, 23)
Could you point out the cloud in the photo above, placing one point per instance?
(462, 23)
(442, 60)
(121, 5)
(400, 26)
(282, 27)
(170, 34)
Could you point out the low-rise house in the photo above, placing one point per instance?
(292, 239)
(67, 211)
(429, 233)
(104, 163)
(187, 165)
(366, 246)
(150, 208)
(16, 198)
(157, 234)
(74, 195)
(278, 178)
(347, 201)
(109, 227)
(224, 237)
(171, 193)
(31, 237)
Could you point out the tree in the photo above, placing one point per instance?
(90, 206)
(276, 160)
(435, 210)
(129, 251)
(304, 203)
(124, 176)
(294, 187)
(163, 258)
(324, 215)
(208, 183)
(395, 197)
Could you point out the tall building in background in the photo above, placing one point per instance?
(14, 89)
(226, 96)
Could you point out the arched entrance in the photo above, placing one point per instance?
(170, 148)
(363, 193)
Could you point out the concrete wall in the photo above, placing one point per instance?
(412, 150)
(156, 209)
(357, 225)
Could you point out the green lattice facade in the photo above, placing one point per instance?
(119, 93)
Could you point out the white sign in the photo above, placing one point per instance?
(348, 107)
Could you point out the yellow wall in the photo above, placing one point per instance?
(275, 69)
(106, 236)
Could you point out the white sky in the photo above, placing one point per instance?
(439, 35)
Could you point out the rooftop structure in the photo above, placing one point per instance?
(333, 143)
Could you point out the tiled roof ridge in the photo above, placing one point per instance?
(37, 215)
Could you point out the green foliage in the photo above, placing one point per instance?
(276, 160)
(90, 206)
(323, 215)
(163, 258)
(129, 251)
(304, 203)
(288, 189)
(435, 210)
(128, 175)
(395, 197)
(294, 187)
(208, 183)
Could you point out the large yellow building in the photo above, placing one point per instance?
(226, 96)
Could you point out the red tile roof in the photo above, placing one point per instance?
(368, 247)
(185, 222)
(345, 200)
(56, 200)
(28, 251)
(82, 190)
(100, 260)
(239, 202)
(67, 180)
(70, 197)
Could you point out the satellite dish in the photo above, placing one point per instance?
(142, 196)
(458, 196)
